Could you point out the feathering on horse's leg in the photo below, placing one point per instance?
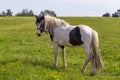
(92, 72)
(55, 54)
(63, 57)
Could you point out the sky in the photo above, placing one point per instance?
(63, 7)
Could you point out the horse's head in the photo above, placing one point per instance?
(40, 24)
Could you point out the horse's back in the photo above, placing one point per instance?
(85, 28)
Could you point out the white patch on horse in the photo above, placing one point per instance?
(86, 33)
(61, 35)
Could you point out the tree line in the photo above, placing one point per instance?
(26, 12)
(115, 14)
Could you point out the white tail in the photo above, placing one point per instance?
(96, 51)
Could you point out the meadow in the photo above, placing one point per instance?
(24, 56)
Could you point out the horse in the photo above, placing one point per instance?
(63, 34)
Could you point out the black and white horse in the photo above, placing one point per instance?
(63, 34)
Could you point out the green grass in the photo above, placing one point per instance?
(24, 56)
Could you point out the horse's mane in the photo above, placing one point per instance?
(52, 22)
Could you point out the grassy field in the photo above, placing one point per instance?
(24, 56)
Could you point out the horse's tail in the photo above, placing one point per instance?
(96, 52)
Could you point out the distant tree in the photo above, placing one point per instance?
(116, 14)
(3, 13)
(9, 13)
(106, 14)
(31, 13)
(48, 12)
(0, 14)
(118, 10)
(25, 12)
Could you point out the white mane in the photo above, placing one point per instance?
(51, 23)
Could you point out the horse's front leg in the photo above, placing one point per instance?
(63, 56)
(55, 54)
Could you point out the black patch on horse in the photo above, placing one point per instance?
(62, 47)
(51, 37)
(75, 37)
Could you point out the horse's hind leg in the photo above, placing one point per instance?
(88, 58)
(55, 54)
(63, 56)
(85, 65)
(92, 72)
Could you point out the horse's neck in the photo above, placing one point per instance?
(52, 23)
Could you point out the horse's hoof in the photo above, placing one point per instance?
(82, 71)
(55, 65)
(92, 73)
(64, 66)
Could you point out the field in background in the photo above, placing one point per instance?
(24, 56)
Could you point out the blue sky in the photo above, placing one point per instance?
(63, 7)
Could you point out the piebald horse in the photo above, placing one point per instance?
(63, 34)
